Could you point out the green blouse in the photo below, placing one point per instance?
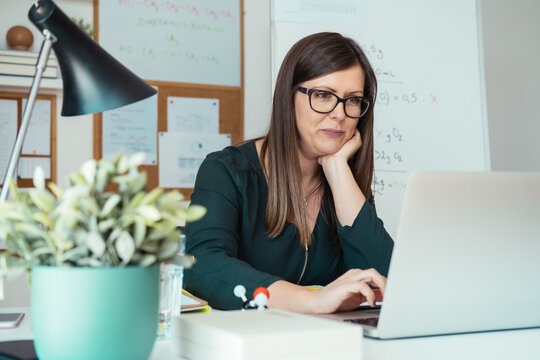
(232, 247)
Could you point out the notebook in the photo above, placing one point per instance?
(466, 257)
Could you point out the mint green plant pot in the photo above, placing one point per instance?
(94, 313)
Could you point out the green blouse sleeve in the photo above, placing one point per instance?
(365, 243)
(213, 240)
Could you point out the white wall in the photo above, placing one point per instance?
(512, 72)
(257, 68)
(512, 66)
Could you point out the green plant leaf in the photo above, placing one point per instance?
(66, 221)
(88, 170)
(170, 198)
(152, 196)
(125, 246)
(147, 260)
(186, 261)
(110, 204)
(39, 178)
(43, 219)
(115, 233)
(28, 229)
(167, 250)
(9, 212)
(96, 244)
(150, 247)
(122, 164)
(61, 242)
(135, 201)
(140, 231)
(195, 212)
(89, 204)
(56, 190)
(74, 254)
(78, 178)
(42, 199)
(138, 183)
(162, 230)
(41, 251)
(149, 213)
(136, 160)
(105, 225)
(89, 261)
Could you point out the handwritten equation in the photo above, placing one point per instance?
(388, 147)
(385, 97)
(372, 51)
(180, 25)
(169, 53)
(176, 7)
(388, 158)
(382, 185)
(175, 40)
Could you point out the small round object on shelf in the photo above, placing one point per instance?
(19, 38)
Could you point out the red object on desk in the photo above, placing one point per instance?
(261, 290)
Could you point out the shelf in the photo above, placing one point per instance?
(26, 82)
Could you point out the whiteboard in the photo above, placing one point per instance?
(174, 40)
(430, 111)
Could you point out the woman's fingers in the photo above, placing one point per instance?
(371, 276)
(378, 295)
(367, 292)
(351, 289)
(349, 148)
(352, 145)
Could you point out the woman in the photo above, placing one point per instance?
(290, 209)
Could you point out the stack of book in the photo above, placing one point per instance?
(263, 335)
(23, 63)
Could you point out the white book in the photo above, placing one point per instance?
(24, 60)
(264, 335)
(26, 70)
(25, 57)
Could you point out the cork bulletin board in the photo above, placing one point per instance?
(39, 147)
(209, 65)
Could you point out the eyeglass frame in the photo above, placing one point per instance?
(308, 92)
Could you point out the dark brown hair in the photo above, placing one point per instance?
(313, 56)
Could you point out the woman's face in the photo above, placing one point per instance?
(324, 134)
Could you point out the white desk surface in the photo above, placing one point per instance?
(507, 345)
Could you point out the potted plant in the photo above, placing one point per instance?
(92, 256)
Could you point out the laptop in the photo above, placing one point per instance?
(466, 257)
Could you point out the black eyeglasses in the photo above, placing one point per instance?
(325, 102)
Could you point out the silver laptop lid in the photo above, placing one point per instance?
(466, 257)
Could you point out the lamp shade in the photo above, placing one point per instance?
(93, 80)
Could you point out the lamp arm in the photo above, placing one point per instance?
(40, 67)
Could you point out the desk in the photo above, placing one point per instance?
(512, 344)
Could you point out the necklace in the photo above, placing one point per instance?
(305, 201)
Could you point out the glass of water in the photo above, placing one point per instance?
(170, 293)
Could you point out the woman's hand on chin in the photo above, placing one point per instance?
(347, 150)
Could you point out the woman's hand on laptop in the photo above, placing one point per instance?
(349, 290)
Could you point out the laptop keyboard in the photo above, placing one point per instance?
(370, 321)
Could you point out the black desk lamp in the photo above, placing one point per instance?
(93, 80)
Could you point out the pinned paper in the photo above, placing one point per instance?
(8, 132)
(38, 135)
(181, 155)
(132, 129)
(192, 115)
